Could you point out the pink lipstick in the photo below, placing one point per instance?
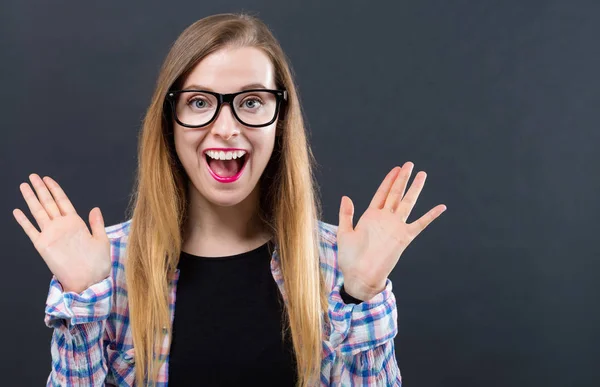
(227, 179)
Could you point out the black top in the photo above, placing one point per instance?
(228, 321)
(227, 324)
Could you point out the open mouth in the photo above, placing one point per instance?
(226, 170)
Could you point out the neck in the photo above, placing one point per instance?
(212, 231)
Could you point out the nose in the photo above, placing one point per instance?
(225, 125)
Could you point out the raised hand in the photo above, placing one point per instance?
(368, 253)
(76, 257)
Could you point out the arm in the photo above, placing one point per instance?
(362, 333)
(79, 322)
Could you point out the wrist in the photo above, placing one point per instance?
(362, 292)
(347, 298)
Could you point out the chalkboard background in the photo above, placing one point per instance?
(498, 101)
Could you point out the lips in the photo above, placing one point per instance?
(228, 179)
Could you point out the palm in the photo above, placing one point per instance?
(372, 236)
(71, 252)
(76, 257)
(369, 252)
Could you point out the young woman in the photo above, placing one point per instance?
(225, 221)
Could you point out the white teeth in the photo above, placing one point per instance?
(221, 155)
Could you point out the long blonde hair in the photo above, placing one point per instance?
(289, 204)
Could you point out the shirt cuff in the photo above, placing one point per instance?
(363, 326)
(71, 308)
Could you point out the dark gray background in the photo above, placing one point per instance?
(498, 101)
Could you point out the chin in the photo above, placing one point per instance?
(222, 199)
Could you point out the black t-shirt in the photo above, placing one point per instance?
(228, 322)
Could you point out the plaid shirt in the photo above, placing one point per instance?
(92, 344)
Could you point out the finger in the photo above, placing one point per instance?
(346, 214)
(420, 224)
(62, 201)
(45, 197)
(410, 199)
(384, 188)
(39, 213)
(399, 186)
(97, 223)
(29, 228)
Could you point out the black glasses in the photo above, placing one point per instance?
(254, 108)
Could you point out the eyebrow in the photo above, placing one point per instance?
(247, 87)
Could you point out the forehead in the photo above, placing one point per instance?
(229, 69)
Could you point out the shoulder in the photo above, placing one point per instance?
(118, 235)
(116, 231)
(328, 253)
(327, 233)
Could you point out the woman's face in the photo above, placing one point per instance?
(229, 70)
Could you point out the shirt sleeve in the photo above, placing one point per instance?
(363, 335)
(78, 320)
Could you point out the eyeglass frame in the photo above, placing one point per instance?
(280, 95)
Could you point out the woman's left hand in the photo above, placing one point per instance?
(368, 253)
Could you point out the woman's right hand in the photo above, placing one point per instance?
(75, 256)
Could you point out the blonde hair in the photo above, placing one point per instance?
(289, 204)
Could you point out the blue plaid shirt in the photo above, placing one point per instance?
(92, 343)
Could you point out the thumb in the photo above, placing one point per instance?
(97, 223)
(346, 214)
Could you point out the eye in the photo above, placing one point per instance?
(198, 103)
(252, 103)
